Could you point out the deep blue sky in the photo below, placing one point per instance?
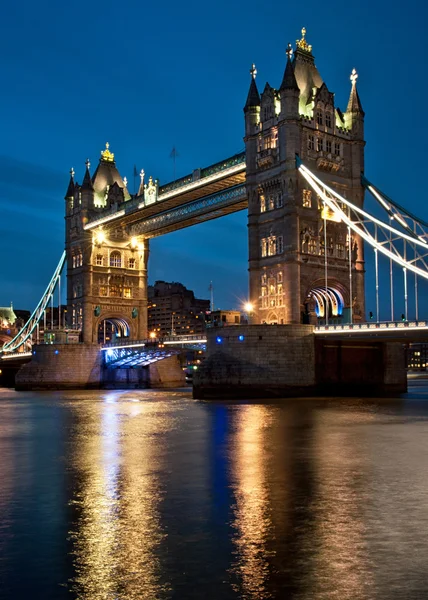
(148, 76)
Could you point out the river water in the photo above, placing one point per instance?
(153, 495)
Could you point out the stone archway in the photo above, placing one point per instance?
(325, 302)
(111, 328)
(272, 319)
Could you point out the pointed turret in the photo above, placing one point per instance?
(253, 98)
(141, 188)
(354, 116)
(71, 186)
(289, 81)
(289, 90)
(87, 181)
(354, 103)
(106, 174)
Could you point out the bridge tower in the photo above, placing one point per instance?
(289, 230)
(106, 268)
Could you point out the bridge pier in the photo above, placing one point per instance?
(261, 361)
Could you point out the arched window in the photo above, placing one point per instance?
(115, 259)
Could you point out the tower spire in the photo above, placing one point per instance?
(289, 80)
(70, 190)
(253, 98)
(87, 182)
(354, 103)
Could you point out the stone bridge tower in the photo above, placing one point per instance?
(106, 268)
(285, 219)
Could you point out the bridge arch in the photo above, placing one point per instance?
(116, 325)
(321, 300)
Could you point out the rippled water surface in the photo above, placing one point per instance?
(152, 495)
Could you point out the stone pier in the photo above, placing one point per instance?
(262, 361)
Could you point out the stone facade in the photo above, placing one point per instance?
(287, 240)
(262, 361)
(106, 267)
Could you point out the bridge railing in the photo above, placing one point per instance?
(383, 326)
(171, 339)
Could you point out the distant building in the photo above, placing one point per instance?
(174, 310)
(417, 357)
(223, 318)
(10, 323)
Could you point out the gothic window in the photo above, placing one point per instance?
(272, 302)
(279, 202)
(127, 292)
(311, 142)
(263, 291)
(271, 201)
(262, 203)
(99, 260)
(264, 302)
(307, 198)
(340, 250)
(263, 279)
(279, 244)
(312, 246)
(115, 291)
(279, 289)
(271, 245)
(279, 277)
(319, 117)
(74, 262)
(264, 247)
(131, 263)
(328, 119)
(115, 259)
(274, 137)
(280, 300)
(337, 149)
(319, 144)
(103, 290)
(328, 146)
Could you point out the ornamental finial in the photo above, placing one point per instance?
(289, 51)
(354, 77)
(303, 44)
(125, 181)
(88, 163)
(253, 71)
(72, 172)
(142, 175)
(106, 154)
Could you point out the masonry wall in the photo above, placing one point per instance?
(61, 366)
(261, 361)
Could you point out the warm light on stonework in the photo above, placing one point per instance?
(248, 307)
(134, 243)
(100, 237)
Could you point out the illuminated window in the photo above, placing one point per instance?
(115, 291)
(263, 244)
(131, 263)
(262, 203)
(279, 288)
(328, 146)
(263, 291)
(311, 142)
(307, 198)
(279, 277)
(99, 260)
(328, 119)
(319, 144)
(271, 245)
(337, 149)
(319, 117)
(340, 250)
(74, 262)
(263, 279)
(103, 290)
(115, 259)
(127, 292)
(272, 302)
(312, 246)
(271, 202)
(280, 301)
(264, 302)
(272, 289)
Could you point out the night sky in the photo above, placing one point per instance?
(150, 76)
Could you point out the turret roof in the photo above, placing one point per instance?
(354, 102)
(253, 98)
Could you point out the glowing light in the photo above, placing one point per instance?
(152, 335)
(248, 307)
(241, 338)
(100, 237)
(219, 340)
(379, 198)
(329, 215)
(56, 351)
(134, 243)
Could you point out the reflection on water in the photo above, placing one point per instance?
(151, 495)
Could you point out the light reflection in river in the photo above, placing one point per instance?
(151, 495)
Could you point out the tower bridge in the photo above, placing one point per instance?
(309, 222)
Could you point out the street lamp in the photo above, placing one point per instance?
(249, 308)
(152, 335)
